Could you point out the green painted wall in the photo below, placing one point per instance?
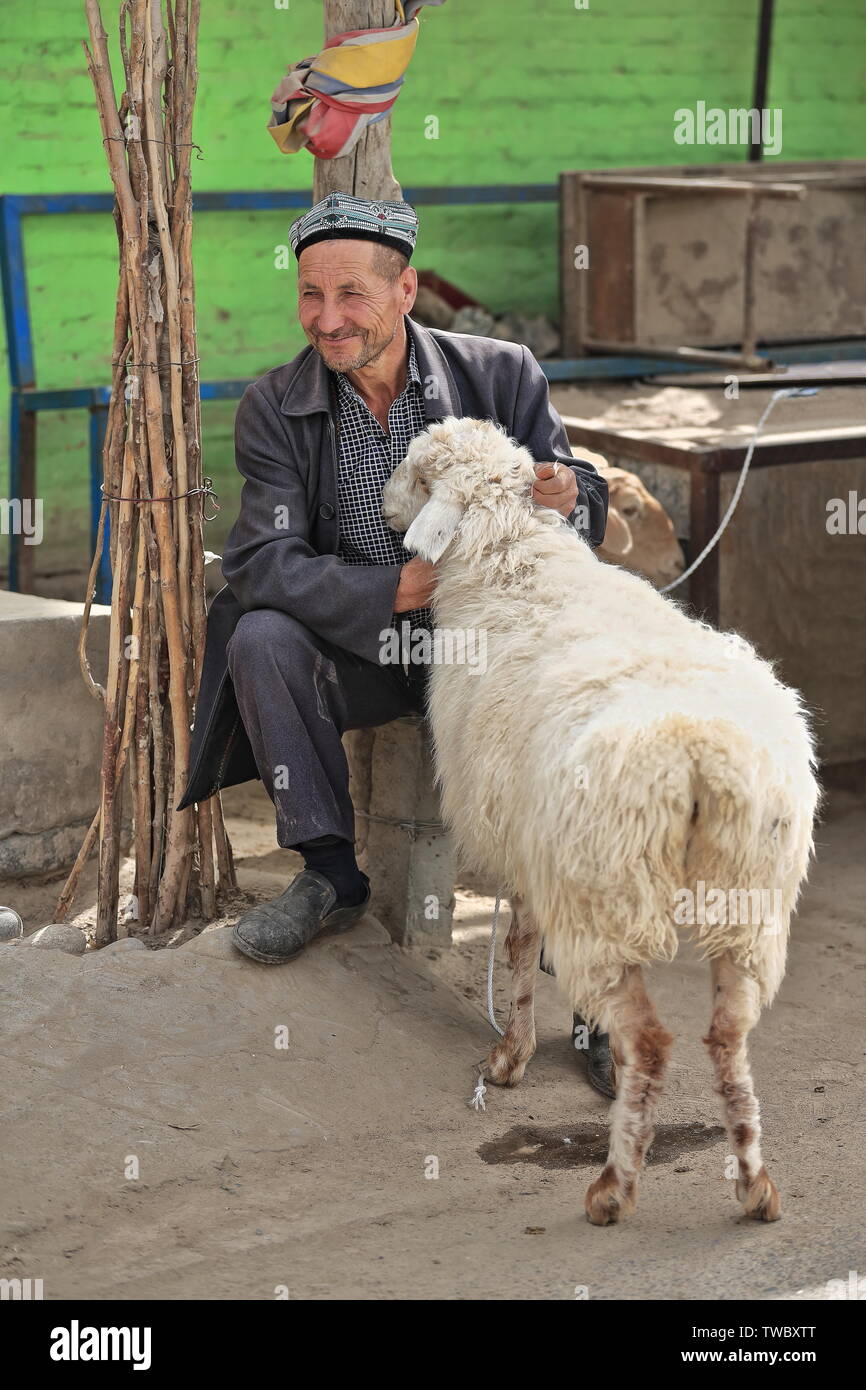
(520, 92)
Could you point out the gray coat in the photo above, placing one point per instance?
(285, 448)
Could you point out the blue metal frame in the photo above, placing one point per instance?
(26, 400)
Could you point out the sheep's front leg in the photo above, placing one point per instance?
(640, 1047)
(506, 1061)
(736, 1008)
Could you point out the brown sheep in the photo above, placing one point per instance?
(640, 535)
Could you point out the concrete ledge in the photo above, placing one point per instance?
(50, 731)
(391, 785)
(22, 856)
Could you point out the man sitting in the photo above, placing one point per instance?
(316, 579)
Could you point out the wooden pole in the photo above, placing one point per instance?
(366, 171)
(153, 482)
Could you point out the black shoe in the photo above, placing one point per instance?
(600, 1069)
(278, 931)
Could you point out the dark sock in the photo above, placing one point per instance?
(334, 858)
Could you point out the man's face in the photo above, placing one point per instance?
(348, 311)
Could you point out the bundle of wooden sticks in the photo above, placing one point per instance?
(153, 491)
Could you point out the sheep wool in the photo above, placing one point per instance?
(623, 771)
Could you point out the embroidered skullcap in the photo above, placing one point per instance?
(342, 215)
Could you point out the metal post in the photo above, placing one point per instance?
(703, 524)
(762, 69)
(22, 474)
(98, 425)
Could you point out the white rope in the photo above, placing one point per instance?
(477, 1101)
(491, 954)
(732, 505)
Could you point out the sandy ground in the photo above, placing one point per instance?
(307, 1166)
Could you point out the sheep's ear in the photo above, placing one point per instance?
(617, 536)
(434, 528)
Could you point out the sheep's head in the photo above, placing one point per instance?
(640, 535)
(464, 475)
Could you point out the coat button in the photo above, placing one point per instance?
(326, 511)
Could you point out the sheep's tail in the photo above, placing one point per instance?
(683, 807)
(749, 843)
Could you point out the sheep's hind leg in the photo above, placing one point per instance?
(506, 1061)
(640, 1047)
(736, 1008)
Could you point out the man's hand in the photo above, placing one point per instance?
(417, 582)
(556, 487)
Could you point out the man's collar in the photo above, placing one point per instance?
(413, 373)
(309, 392)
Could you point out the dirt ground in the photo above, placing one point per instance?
(312, 1166)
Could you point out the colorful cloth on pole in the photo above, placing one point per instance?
(325, 103)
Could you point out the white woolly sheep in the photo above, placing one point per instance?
(614, 762)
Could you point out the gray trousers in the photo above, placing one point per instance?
(297, 694)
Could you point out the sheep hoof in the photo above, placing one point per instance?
(606, 1201)
(502, 1067)
(761, 1199)
(602, 1209)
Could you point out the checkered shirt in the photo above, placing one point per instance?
(368, 457)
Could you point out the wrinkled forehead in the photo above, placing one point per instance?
(341, 256)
